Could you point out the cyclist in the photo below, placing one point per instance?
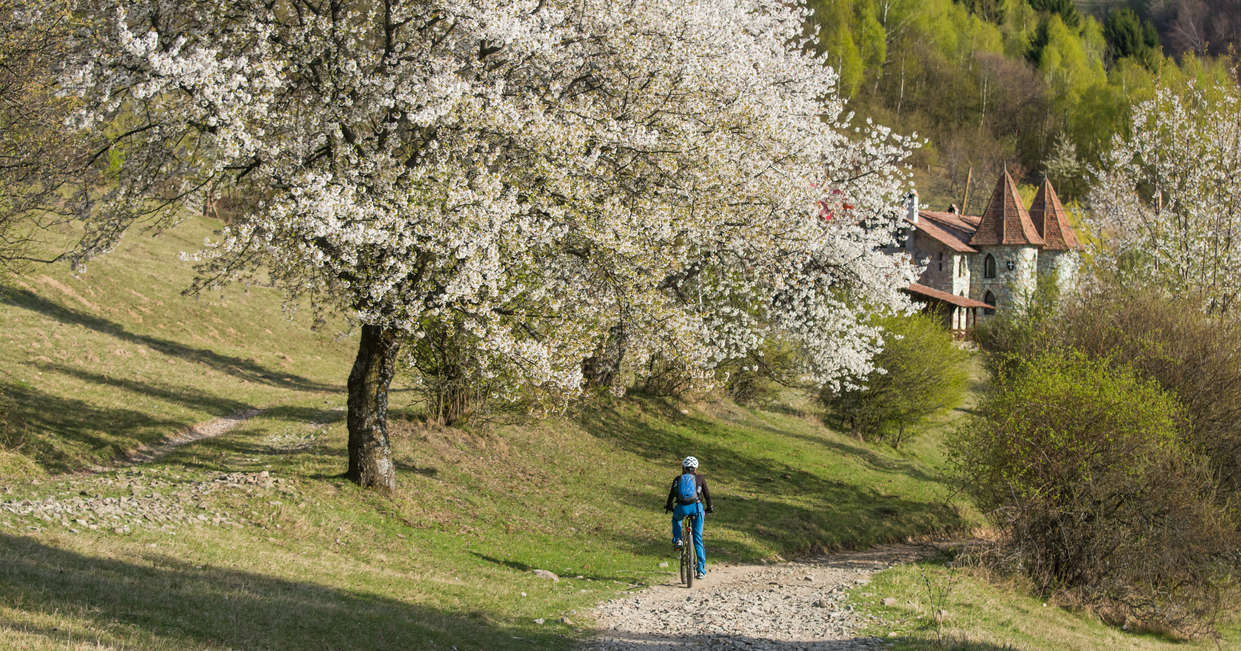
(689, 501)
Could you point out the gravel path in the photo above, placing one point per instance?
(210, 429)
(782, 606)
(124, 497)
(131, 500)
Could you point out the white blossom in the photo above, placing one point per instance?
(1166, 205)
(541, 169)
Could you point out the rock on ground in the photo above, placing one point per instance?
(784, 606)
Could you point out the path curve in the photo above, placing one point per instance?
(785, 606)
(205, 430)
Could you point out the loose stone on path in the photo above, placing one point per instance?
(782, 606)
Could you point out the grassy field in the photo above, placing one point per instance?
(251, 540)
(934, 604)
(94, 365)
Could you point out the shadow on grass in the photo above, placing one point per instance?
(868, 456)
(524, 568)
(828, 517)
(107, 434)
(241, 368)
(779, 408)
(169, 602)
(806, 513)
(104, 432)
(183, 395)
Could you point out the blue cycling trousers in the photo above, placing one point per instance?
(696, 517)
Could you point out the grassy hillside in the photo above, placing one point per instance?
(249, 539)
(95, 365)
(935, 603)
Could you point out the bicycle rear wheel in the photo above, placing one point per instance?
(687, 554)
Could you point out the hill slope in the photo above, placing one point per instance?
(250, 540)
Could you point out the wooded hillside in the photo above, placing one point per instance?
(1040, 86)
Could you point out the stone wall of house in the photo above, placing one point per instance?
(962, 273)
(938, 260)
(1007, 285)
(1065, 264)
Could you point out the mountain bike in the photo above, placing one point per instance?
(689, 563)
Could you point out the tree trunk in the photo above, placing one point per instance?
(603, 368)
(370, 455)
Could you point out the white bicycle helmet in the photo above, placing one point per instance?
(689, 462)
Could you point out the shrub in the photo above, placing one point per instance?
(1082, 467)
(454, 382)
(1173, 342)
(923, 372)
(669, 376)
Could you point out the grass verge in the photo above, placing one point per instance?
(934, 604)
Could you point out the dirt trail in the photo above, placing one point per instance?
(209, 429)
(799, 605)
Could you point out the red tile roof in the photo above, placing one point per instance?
(950, 219)
(946, 297)
(1005, 221)
(1051, 221)
(944, 237)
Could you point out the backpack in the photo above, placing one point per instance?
(687, 489)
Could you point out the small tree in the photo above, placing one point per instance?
(456, 383)
(759, 377)
(1166, 204)
(922, 372)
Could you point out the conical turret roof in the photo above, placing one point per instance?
(1006, 221)
(1051, 220)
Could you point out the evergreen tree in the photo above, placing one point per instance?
(1128, 35)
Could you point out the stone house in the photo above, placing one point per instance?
(976, 265)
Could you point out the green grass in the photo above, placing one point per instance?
(448, 558)
(938, 605)
(94, 365)
(97, 365)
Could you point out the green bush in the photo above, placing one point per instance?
(1172, 341)
(1168, 339)
(668, 376)
(922, 372)
(1082, 466)
(454, 381)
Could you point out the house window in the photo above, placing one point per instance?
(960, 265)
(988, 266)
(941, 260)
(989, 299)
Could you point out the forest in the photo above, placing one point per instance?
(1038, 86)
